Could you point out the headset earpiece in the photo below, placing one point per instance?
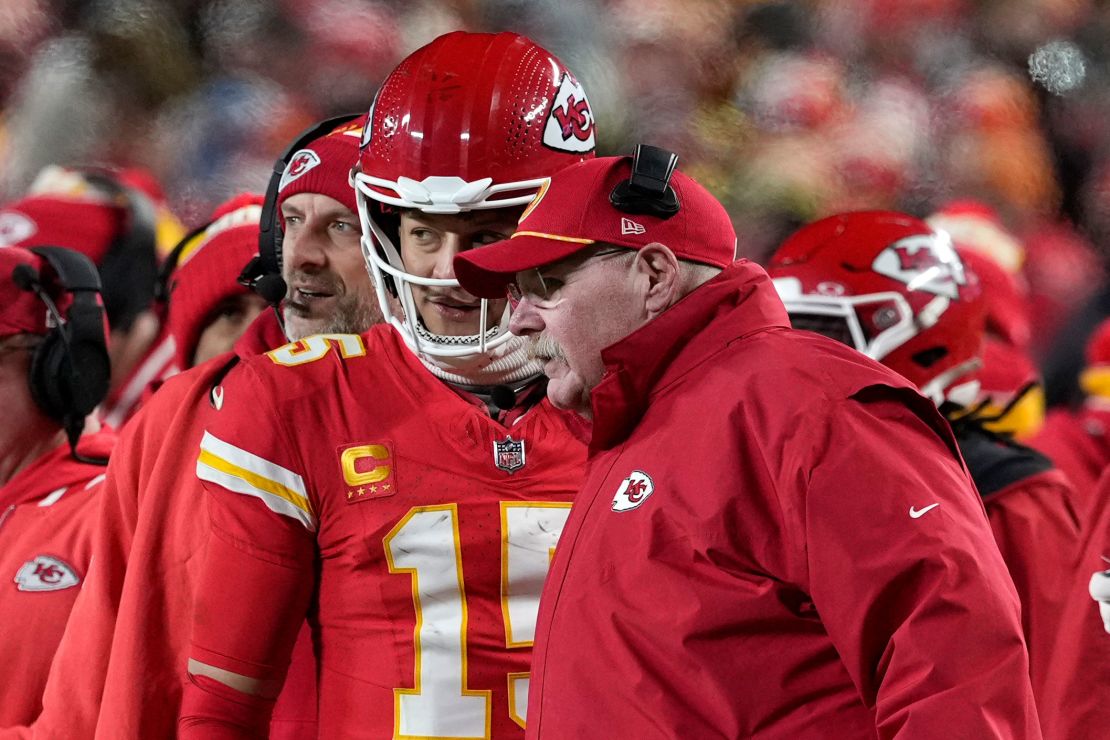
(70, 370)
(648, 190)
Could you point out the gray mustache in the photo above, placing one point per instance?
(545, 348)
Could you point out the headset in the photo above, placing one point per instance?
(129, 269)
(70, 370)
(648, 190)
(263, 273)
(162, 286)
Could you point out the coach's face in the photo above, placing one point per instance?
(572, 310)
(329, 290)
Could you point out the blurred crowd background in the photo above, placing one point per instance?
(993, 112)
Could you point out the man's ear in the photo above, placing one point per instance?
(660, 270)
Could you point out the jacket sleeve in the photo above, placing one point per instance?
(907, 579)
(1079, 670)
(258, 576)
(1036, 527)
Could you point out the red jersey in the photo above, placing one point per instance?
(118, 670)
(349, 482)
(46, 528)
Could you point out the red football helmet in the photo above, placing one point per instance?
(470, 121)
(893, 288)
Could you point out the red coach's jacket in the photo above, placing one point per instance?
(776, 539)
(46, 526)
(119, 668)
(1079, 444)
(1075, 705)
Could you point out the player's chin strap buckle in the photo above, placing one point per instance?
(648, 191)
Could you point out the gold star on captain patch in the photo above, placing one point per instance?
(350, 494)
(373, 489)
(385, 486)
(361, 491)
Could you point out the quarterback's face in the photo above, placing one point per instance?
(329, 290)
(588, 302)
(429, 243)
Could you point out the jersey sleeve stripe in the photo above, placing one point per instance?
(280, 489)
(275, 502)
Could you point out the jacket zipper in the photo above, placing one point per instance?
(4, 516)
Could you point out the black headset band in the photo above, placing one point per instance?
(70, 371)
(648, 190)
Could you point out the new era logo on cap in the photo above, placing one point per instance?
(628, 226)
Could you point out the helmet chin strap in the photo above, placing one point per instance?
(937, 390)
(506, 364)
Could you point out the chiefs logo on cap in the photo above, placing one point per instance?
(300, 163)
(15, 228)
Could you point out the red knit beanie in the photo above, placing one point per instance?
(88, 227)
(208, 274)
(324, 166)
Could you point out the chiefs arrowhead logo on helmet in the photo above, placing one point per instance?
(925, 262)
(570, 127)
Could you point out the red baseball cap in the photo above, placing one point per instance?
(573, 211)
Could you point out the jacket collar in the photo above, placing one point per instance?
(739, 301)
(263, 334)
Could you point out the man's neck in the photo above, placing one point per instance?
(21, 452)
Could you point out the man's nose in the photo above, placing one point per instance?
(302, 249)
(525, 319)
(444, 268)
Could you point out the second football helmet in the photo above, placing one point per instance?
(471, 121)
(893, 288)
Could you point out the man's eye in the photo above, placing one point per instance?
(290, 220)
(488, 237)
(344, 227)
(552, 284)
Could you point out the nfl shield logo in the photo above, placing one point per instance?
(508, 454)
